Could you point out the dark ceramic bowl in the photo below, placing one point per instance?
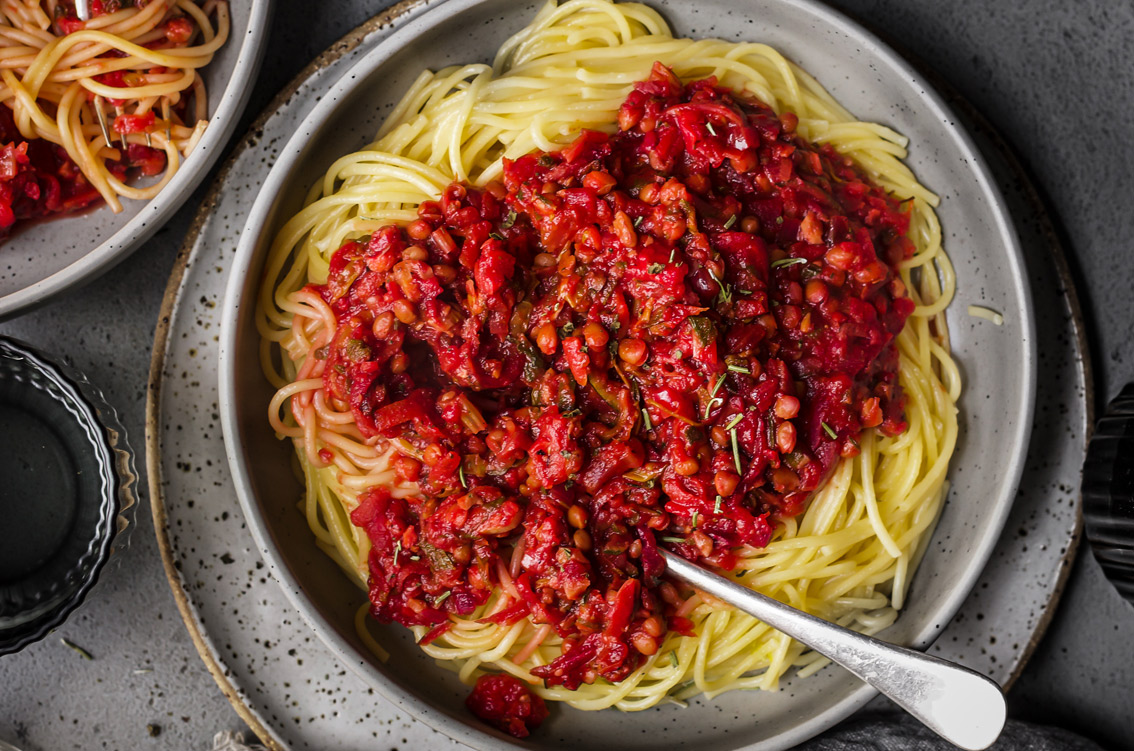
(66, 489)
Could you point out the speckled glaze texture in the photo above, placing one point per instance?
(293, 687)
(46, 258)
(998, 363)
(1059, 109)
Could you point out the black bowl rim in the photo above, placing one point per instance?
(111, 438)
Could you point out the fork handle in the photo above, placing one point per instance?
(961, 705)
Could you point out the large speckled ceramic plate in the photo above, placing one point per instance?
(997, 362)
(44, 259)
(292, 688)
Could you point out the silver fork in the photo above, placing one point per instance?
(958, 704)
(83, 11)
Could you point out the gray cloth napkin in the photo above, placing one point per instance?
(904, 733)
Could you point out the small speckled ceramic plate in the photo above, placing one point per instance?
(46, 258)
(293, 689)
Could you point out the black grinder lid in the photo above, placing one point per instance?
(1108, 492)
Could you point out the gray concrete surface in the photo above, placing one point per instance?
(1055, 77)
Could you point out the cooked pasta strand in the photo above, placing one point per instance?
(848, 558)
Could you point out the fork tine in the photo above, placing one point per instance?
(98, 108)
(122, 136)
(165, 116)
(83, 9)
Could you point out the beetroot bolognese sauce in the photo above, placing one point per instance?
(665, 336)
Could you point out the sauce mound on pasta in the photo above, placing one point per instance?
(669, 335)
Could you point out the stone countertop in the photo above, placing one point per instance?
(1054, 77)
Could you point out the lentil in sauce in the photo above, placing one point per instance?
(668, 335)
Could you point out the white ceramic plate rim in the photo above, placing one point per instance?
(154, 215)
(232, 309)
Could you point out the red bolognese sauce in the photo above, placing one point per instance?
(665, 336)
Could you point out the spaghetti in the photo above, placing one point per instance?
(87, 104)
(839, 534)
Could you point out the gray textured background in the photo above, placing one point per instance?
(1055, 77)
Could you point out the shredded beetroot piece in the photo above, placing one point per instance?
(676, 330)
(506, 703)
(37, 178)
